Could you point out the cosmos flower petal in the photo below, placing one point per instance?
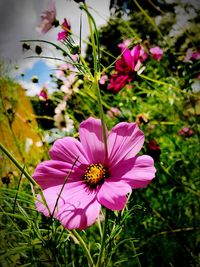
(127, 57)
(56, 197)
(68, 149)
(135, 52)
(47, 18)
(156, 53)
(124, 141)
(137, 172)
(92, 139)
(51, 197)
(112, 194)
(117, 82)
(81, 208)
(53, 172)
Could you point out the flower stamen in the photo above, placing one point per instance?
(95, 174)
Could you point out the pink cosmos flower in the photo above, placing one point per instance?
(124, 44)
(95, 180)
(191, 54)
(188, 55)
(43, 94)
(156, 53)
(65, 33)
(125, 68)
(196, 55)
(143, 55)
(103, 79)
(48, 18)
(186, 132)
(113, 112)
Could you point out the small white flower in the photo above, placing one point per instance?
(28, 144)
(64, 123)
(196, 86)
(60, 107)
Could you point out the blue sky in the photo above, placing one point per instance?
(39, 69)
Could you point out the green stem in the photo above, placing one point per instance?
(96, 58)
(158, 82)
(148, 18)
(84, 247)
(86, 66)
(17, 164)
(102, 118)
(103, 239)
(135, 253)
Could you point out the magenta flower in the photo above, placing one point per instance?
(191, 55)
(48, 18)
(43, 94)
(95, 180)
(66, 30)
(196, 55)
(124, 45)
(156, 53)
(143, 55)
(125, 68)
(153, 149)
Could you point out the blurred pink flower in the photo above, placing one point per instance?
(196, 55)
(62, 70)
(156, 53)
(113, 112)
(188, 55)
(66, 30)
(48, 18)
(103, 79)
(43, 94)
(186, 132)
(124, 44)
(153, 149)
(125, 68)
(95, 180)
(191, 54)
(143, 55)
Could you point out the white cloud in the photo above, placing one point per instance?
(20, 18)
(32, 89)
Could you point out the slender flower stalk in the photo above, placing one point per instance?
(96, 83)
(18, 165)
(84, 247)
(103, 240)
(96, 59)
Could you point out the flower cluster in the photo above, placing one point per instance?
(130, 63)
(126, 67)
(186, 132)
(66, 27)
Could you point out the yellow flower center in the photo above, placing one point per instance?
(95, 174)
